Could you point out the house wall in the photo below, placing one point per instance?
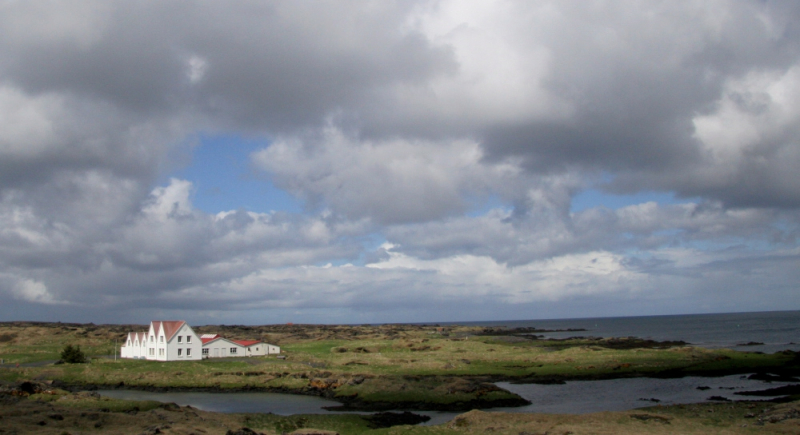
(272, 349)
(128, 349)
(152, 344)
(223, 349)
(135, 346)
(141, 350)
(258, 349)
(194, 344)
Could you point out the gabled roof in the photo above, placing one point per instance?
(246, 343)
(205, 338)
(170, 327)
(134, 336)
(208, 338)
(211, 340)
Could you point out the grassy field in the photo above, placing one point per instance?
(372, 367)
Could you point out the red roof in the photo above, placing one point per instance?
(246, 343)
(170, 327)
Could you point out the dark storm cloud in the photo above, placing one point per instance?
(264, 65)
(636, 94)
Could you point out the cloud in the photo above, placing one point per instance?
(457, 133)
(390, 181)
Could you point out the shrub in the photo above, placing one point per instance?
(72, 355)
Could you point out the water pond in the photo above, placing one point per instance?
(576, 397)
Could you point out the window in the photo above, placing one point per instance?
(180, 352)
(188, 352)
(205, 351)
(152, 339)
(188, 338)
(233, 350)
(256, 349)
(162, 338)
(179, 338)
(161, 352)
(129, 342)
(152, 351)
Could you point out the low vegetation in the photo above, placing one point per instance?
(370, 368)
(72, 355)
(373, 367)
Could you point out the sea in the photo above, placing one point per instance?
(775, 331)
(768, 332)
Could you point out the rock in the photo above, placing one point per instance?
(311, 431)
(358, 380)
(171, 406)
(154, 430)
(785, 390)
(242, 431)
(324, 384)
(719, 399)
(389, 419)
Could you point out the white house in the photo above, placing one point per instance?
(164, 341)
(135, 346)
(215, 346)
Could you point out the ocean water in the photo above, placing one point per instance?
(777, 330)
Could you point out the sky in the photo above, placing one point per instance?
(260, 162)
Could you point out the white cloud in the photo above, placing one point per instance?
(196, 69)
(33, 291)
(390, 181)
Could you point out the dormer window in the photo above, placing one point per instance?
(152, 339)
(162, 338)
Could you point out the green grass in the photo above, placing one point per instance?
(83, 401)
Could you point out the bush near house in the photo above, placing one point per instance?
(72, 355)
